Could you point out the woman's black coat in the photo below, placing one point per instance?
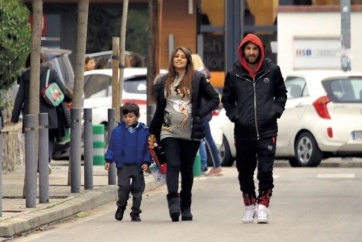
(204, 100)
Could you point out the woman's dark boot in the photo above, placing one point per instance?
(185, 203)
(173, 201)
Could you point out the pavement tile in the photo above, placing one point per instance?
(17, 218)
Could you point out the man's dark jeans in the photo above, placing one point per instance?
(252, 154)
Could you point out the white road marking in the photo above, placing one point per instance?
(340, 175)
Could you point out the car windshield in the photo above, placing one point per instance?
(296, 87)
(65, 71)
(344, 90)
(101, 85)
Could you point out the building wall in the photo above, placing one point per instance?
(177, 21)
(318, 21)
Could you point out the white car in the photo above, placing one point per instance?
(98, 92)
(322, 119)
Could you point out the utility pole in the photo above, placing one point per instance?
(233, 30)
(122, 48)
(116, 78)
(346, 35)
(153, 68)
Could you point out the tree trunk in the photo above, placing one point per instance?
(122, 47)
(153, 67)
(82, 26)
(13, 147)
(35, 72)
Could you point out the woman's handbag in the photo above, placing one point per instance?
(158, 156)
(157, 175)
(52, 93)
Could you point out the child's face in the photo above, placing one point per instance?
(130, 119)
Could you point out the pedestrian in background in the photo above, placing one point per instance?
(254, 97)
(210, 143)
(102, 63)
(2, 117)
(128, 148)
(203, 156)
(178, 125)
(89, 64)
(22, 101)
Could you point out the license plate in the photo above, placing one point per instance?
(357, 135)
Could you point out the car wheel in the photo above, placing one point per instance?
(294, 162)
(225, 154)
(307, 151)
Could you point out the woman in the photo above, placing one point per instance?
(216, 170)
(89, 64)
(22, 101)
(178, 125)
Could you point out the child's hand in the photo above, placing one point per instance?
(144, 167)
(107, 165)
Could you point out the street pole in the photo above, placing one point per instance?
(233, 30)
(122, 47)
(153, 49)
(115, 77)
(346, 35)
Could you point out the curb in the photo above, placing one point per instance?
(325, 163)
(66, 208)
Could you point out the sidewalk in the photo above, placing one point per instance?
(17, 219)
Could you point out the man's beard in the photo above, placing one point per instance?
(253, 62)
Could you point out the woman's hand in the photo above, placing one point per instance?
(144, 167)
(151, 141)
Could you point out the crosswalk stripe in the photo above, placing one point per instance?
(340, 175)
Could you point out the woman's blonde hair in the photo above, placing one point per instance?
(197, 61)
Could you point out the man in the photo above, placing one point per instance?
(254, 97)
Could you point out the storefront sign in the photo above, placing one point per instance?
(317, 53)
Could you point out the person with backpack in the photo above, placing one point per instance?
(22, 101)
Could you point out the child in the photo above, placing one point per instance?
(128, 148)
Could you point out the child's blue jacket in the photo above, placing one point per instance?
(129, 148)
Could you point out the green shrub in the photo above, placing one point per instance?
(15, 40)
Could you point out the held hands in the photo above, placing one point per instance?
(151, 141)
(144, 167)
(107, 165)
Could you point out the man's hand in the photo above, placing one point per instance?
(107, 165)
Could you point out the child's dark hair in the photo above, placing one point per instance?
(130, 107)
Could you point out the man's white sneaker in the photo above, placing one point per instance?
(249, 214)
(262, 214)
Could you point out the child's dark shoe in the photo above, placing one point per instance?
(119, 214)
(135, 217)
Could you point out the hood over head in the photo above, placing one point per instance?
(257, 41)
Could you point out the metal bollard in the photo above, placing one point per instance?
(112, 172)
(88, 149)
(75, 150)
(43, 158)
(1, 168)
(30, 160)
